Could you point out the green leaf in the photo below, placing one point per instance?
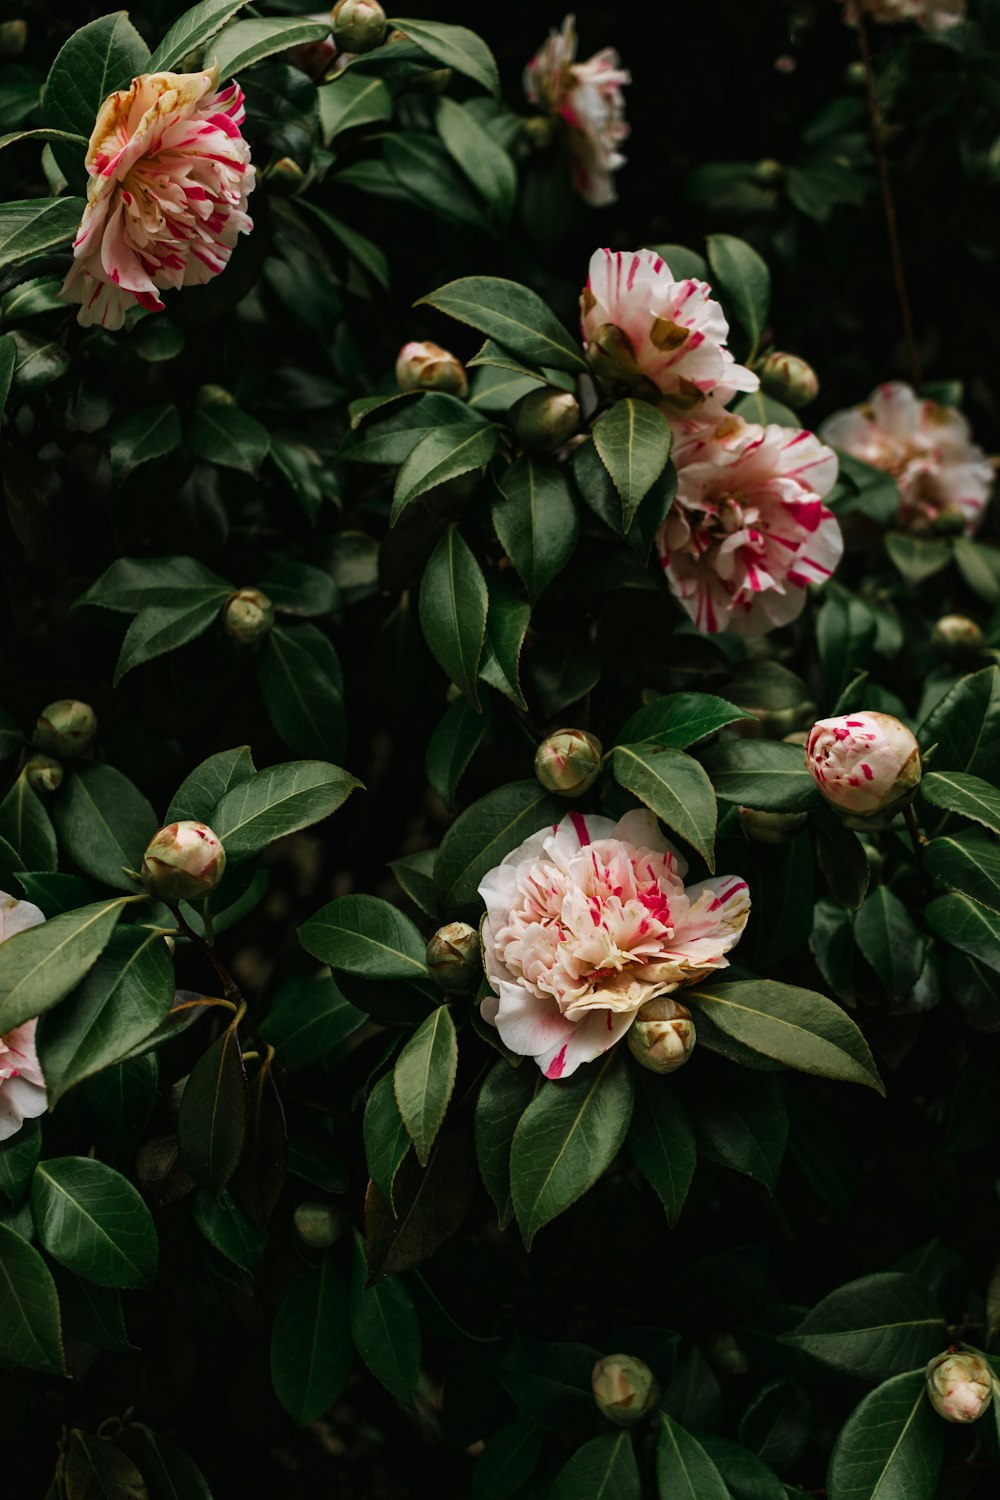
(92, 1314)
(228, 1230)
(349, 100)
(367, 936)
(536, 520)
(516, 317)
(28, 228)
(152, 432)
(38, 968)
(300, 683)
(890, 1447)
(890, 940)
(311, 1343)
(684, 1470)
(745, 1475)
(745, 283)
(841, 857)
(505, 1095)
(761, 773)
(389, 439)
(845, 634)
(484, 833)
(27, 828)
(794, 1026)
(603, 1469)
(19, 1155)
(598, 490)
(308, 1019)
(633, 440)
(662, 1142)
(8, 359)
(135, 583)
(916, 558)
(872, 1326)
(386, 1140)
(124, 998)
(965, 726)
(675, 787)
(445, 453)
(566, 1139)
(967, 862)
(483, 160)
(211, 1125)
(369, 256)
(739, 1119)
(679, 719)
(30, 1326)
(92, 1221)
(191, 30)
(453, 608)
(453, 744)
(68, 136)
(39, 361)
(196, 797)
(104, 823)
(278, 801)
(162, 628)
(386, 1330)
(96, 60)
(508, 1459)
(169, 1473)
(958, 920)
(225, 435)
(968, 795)
(93, 1468)
(246, 43)
(456, 47)
(506, 627)
(424, 1077)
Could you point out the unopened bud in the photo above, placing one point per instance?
(183, 862)
(454, 958)
(248, 616)
(423, 366)
(545, 419)
(768, 171)
(790, 379)
(568, 762)
(44, 773)
(13, 39)
(770, 827)
(317, 1225)
(949, 522)
(358, 25)
(865, 763)
(960, 1386)
(65, 728)
(285, 176)
(215, 395)
(625, 1388)
(662, 1036)
(957, 634)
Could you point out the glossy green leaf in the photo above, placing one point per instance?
(135, 583)
(102, 56)
(350, 99)
(278, 801)
(506, 626)
(19, 1155)
(536, 520)
(30, 1325)
(484, 833)
(675, 787)
(483, 159)
(211, 1125)
(453, 744)
(37, 225)
(453, 609)
(745, 1475)
(223, 434)
(385, 1330)
(761, 773)
(150, 433)
(890, 1447)
(300, 682)
(505, 1094)
(92, 1221)
(26, 827)
(94, 1467)
(684, 1470)
(192, 30)
(424, 1077)
(662, 1142)
(385, 1136)
(508, 1459)
(603, 1469)
(739, 1118)
(890, 940)
(513, 315)
(227, 1229)
(444, 453)
(207, 784)
(841, 856)
(743, 279)
(970, 796)
(679, 719)
(420, 166)
(311, 1343)
(964, 923)
(633, 440)
(967, 862)
(39, 967)
(872, 1326)
(597, 488)
(243, 44)
(92, 1313)
(163, 628)
(456, 47)
(169, 1473)
(965, 726)
(309, 1017)
(367, 936)
(104, 823)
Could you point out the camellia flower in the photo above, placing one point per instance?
(864, 762)
(169, 179)
(646, 333)
(588, 98)
(925, 446)
(932, 15)
(22, 1087)
(748, 531)
(587, 921)
(960, 1385)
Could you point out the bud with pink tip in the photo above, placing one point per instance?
(358, 25)
(423, 366)
(65, 727)
(625, 1388)
(183, 862)
(864, 763)
(956, 635)
(248, 616)
(662, 1036)
(960, 1385)
(568, 762)
(454, 958)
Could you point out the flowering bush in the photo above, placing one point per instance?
(499, 785)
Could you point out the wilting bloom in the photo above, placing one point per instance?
(864, 762)
(646, 333)
(22, 1087)
(588, 97)
(424, 366)
(624, 1388)
(183, 862)
(169, 179)
(932, 15)
(960, 1386)
(587, 921)
(748, 531)
(925, 446)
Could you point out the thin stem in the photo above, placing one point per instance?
(888, 202)
(918, 847)
(230, 988)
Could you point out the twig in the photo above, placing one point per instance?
(918, 848)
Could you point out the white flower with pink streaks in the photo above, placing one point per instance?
(748, 531)
(588, 98)
(585, 922)
(22, 1087)
(926, 447)
(658, 337)
(864, 762)
(169, 179)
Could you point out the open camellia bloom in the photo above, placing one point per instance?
(925, 446)
(584, 923)
(647, 333)
(588, 97)
(748, 531)
(22, 1087)
(169, 179)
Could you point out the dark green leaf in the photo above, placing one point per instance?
(385, 1330)
(684, 1470)
(30, 1326)
(308, 1019)
(967, 862)
(39, 967)
(504, 1096)
(603, 1469)
(662, 1142)
(224, 434)
(452, 746)
(386, 1140)
(135, 583)
(300, 683)
(890, 940)
(456, 47)
(91, 1219)
(677, 790)
(311, 1343)
(969, 796)
(199, 792)
(761, 773)
(162, 628)
(536, 520)
(963, 923)
(744, 280)
(365, 936)
(445, 453)
(38, 224)
(278, 801)
(481, 836)
(508, 1459)
(211, 1126)
(872, 1326)
(27, 828)
(506, 626)
(99, 58)
(453, 609)
(679, 719)
(19, 1155)
(350, 100)
(516, 317)
(169, 1473)
(965, 726)
(228, 1230)
(193, 29)
(739, 1118)
(482, 158)
(890, 1447)
(152, 432)
(424, 1077)
(94, 1468)
(633, 440)
(104, 824)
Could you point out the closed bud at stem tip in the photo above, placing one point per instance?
(960, 1385)
(662, 1036)
(317, 1225)
(789, 379)
(865, 763)
(65, 728)
(454, 958)
(625, 1388)
(183, 862)
(956, 634)
(44, 773)
(358, 25)
(568, 762)
(423, 366)
(248, 616)
(545, 419)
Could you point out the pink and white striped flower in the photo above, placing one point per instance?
(22, 1087)
(926, 447)
(169, 179)
(588, 98)
(864, 762)
(587, 921)
(748, 532)
(647, 333)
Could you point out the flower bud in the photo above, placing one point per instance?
(358, 25)
(662, 1036)
(611, 356)
(454, 958)
(568, 762)
(960, 1385)
(183, 862)
(317, 1225)
(949, 522)
(65, 728)
(956, 634)
(789, 379)
(864, 763)
(214, 395)
(13, 39)
(768, 171)
(771, 827)
(625, 1388)
(44, 773)
(423, 366)
(545, 419)
(248, 616)
(285, 176)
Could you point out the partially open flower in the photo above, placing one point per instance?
(789, 379)
(423, 366)
(662, 1036)
(568, 762)
(625, 1388)
(864, 763)
(65, 728)
(358, 25)
(248, 616)
(588, 98)
(183, 862)
(22, 1086)
(454, 958)
(545, 419)
(44, 773)
(960, 1386)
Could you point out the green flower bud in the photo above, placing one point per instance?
(770, 827)
(183, 862)
(662, 1036)
(767, 172)
(960, 1385)
(248, 616)
(13, 39)
(454, 958)
(568, 762)
(214, 395)
(65, 728)
(625, 1388)
(545, 419)
(285, 176)
(424, 366)
(956, 634)
(44, 773)
(949, 522)
(790, 379)
(358, 25)
(317, 1224)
